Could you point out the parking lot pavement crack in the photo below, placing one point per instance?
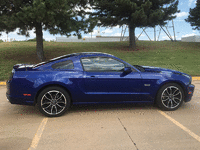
(128, 134)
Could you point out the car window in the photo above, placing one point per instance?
(102, 64)
(63, 65)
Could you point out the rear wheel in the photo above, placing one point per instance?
(53, 101)
(170, 97)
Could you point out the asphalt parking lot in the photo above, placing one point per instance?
(103, 127)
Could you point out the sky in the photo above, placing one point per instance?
(182, 28)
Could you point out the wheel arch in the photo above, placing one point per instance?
(163, 84)
(49, 85)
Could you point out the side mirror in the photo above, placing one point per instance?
(127, 70)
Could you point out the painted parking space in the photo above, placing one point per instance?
(103, 127)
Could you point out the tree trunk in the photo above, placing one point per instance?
(39, 40)
(132, 43)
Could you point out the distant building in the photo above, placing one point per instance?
(97, 39)
(194, 38)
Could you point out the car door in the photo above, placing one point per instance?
(105, 81)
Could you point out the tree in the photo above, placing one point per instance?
(134, 13)
(56, 16)
(194, 16)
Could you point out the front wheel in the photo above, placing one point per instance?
(170, 97)
(53, 101)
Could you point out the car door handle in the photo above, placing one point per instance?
(91, 77)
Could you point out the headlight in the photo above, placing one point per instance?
(186, 76)
(189, 77)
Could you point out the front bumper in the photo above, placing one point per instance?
(189, 94)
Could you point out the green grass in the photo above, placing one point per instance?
(179, 56)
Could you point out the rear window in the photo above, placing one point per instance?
(54, 59)
(63, 65)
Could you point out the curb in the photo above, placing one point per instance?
(193, 79)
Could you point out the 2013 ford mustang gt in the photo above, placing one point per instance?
(93, 77)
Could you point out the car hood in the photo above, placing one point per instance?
(164, 71)
(157, 70)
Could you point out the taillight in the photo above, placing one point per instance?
(16, 66)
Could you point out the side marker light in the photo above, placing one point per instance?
(27, 94)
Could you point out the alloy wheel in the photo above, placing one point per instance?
(53, 102)
(171, 97)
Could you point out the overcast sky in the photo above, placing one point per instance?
(182, 28)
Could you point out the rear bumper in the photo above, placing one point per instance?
(17, 97)
(19, 100)
(189, 94)
(12, 100)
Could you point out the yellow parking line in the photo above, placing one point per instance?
(195, 78)
(38, 134)
(181, 126)
(2, 83)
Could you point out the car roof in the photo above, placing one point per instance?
(72, 55)
(81, 54)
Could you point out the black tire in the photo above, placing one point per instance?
(53, 101)
(170, 97)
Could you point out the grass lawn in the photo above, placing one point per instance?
(181, 56)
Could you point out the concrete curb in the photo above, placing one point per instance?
(193, 79)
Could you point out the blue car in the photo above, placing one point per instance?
(94, 78)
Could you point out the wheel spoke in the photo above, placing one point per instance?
(167, 92)
(61, 102)
(47, 98)
(168, 104)
(56, 109)
(46, 103)
(174, 101)
(56, 95)
(165, 96)
(50, 95)
(177, 98)
(171, 103)
(166, 99)
(51, 109)
(60, 106)
(177, 93)
(60, 97)
(47, 106)
(170, 90)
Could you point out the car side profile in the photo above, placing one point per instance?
(94, 78)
